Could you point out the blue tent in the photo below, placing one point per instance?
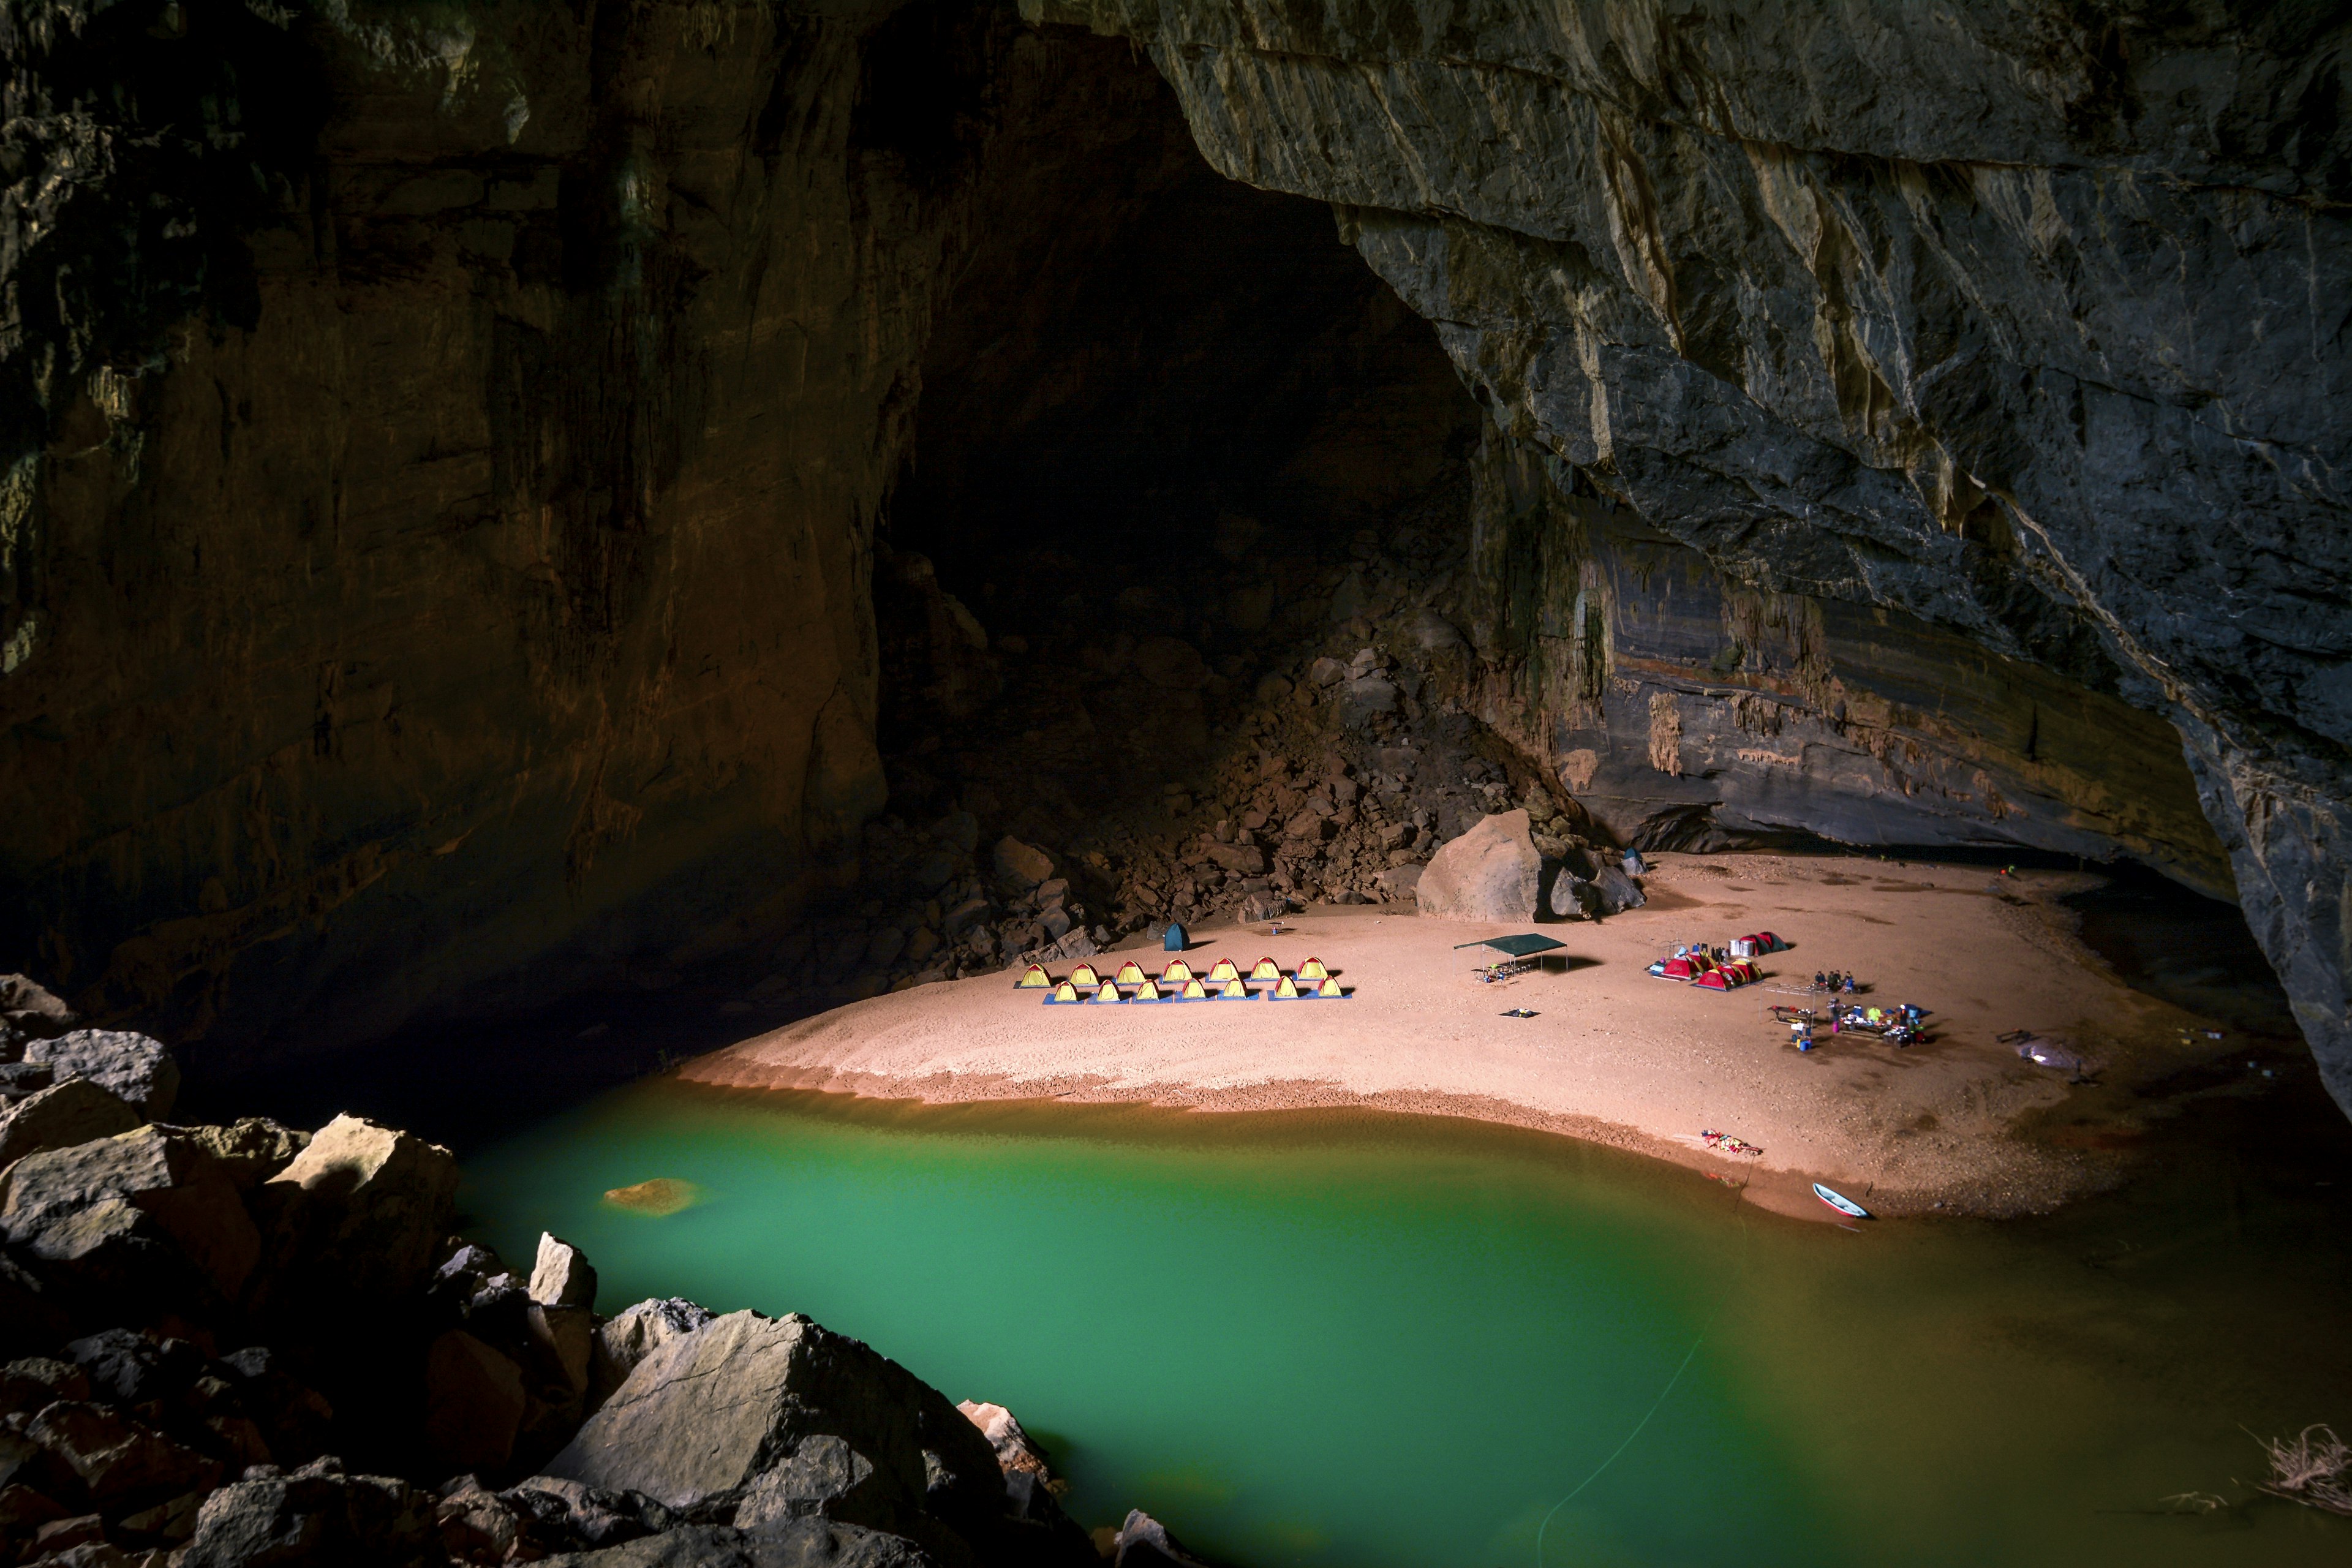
(1174, 938)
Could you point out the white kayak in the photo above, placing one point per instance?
(1839, 1201)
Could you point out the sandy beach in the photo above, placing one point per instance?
(1612, 1054)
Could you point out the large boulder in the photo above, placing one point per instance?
(58, 1117)
(314, 1517)
(30, 1008)
(1014, 1451)
(100, 1212)
(1490, 873)
(702, 1417)
(700, 1420)
(134, 1067)
(1144, 1543)
(1618, 891)
(253, 1150)
(358, 1213)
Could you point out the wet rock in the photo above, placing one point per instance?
(100, 1212)
(1490, 873)
(59, 1117)
(137, 1069)
(473, 1402)
(360, 1212)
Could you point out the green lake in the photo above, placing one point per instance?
(1359, 1339)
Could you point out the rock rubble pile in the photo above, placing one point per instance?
(248, 1346)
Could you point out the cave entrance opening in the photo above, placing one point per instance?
(1173, 438)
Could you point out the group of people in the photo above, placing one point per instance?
(1898, 1025)
(1833, 981)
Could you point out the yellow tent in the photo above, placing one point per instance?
(1329, 988)
(1195, 992)
(1110, 992)
(1225, 969)
(1034, 978)
(1267, 969)
(1177, 973)
(1313, 970)
(1083, 975)
(1234, 991)
(1064, 992)
(1287, 991)
(1147, 992)
(1130, 973)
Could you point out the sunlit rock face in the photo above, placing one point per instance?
(2026, 321)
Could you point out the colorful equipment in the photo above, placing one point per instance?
(1109, 992)
(1223, 969)
(1313, 970)
(1176, 974)
(1286, 990)
(1172, 939)
(1839, 1201)
(1083, 975)
(1064, 992)
(1130, 973)
(1194, 992)
(1147, 992)
(1330, 989)
(1234, 991)
(1266, 969)
(1034, 978)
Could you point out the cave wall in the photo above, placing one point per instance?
(485, 608)
(2026, 321)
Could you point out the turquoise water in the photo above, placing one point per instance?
(1351, 1338)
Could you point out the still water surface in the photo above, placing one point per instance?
(1348, 1338)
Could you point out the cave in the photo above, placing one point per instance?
(604, 610)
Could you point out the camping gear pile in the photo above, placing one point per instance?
(1724, 1143)
(1707, 969)
(1756, 944)
(1224, 982)
(1902, 1025)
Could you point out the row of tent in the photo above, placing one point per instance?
(1178, 982)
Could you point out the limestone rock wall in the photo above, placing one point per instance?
(2026, 321)
(486, 602)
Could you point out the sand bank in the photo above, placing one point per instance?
(1612, 1054)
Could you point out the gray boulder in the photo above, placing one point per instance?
(1490, 873)
(703, 1418)
(314, 1517)
(1144, 1543)
(1619, 892)
(561, 1276)
(100, 1212)
(74, 1111)
(797, 1544)
(134, 1067)
(1364, 698)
